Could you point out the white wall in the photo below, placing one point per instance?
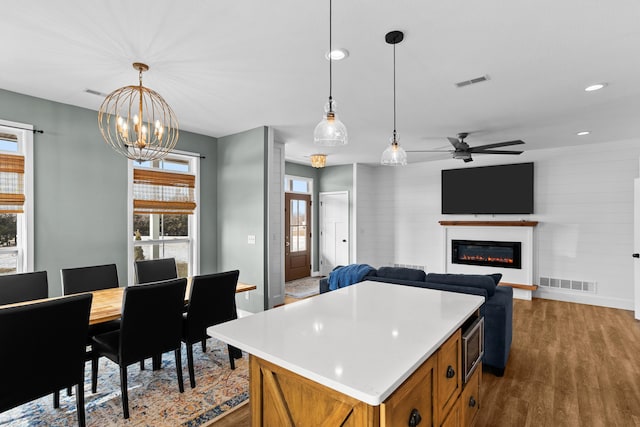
(583, 200)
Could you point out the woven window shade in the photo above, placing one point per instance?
(160, 192)
(11, 183)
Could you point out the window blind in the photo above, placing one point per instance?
(11, 183)
(162, 192)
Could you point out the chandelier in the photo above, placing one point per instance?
(137, 122)
(318, 160)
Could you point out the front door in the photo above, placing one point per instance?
(297, 239)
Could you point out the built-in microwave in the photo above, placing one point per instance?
(472, 346)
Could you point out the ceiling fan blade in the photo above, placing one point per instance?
(428, 151)
(456, 143)
(497, 152)
(497, 144)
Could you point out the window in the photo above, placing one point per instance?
(164, 212)
(16, 198)
(295, 184)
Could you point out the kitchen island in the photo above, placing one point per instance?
(371, 354)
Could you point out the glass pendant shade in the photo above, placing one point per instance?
(394, 155)
(330, 132)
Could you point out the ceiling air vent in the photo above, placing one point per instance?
(95, 92)
(472, 81)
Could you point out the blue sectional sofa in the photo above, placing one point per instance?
(497, 309)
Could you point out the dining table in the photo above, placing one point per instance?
(107, 303)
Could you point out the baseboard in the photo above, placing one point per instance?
(585, 299)
(316, 274)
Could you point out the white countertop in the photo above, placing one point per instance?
(363, 340)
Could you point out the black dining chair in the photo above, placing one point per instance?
(212, 301)
(151, 324)
(30, 367)
(23, 287)
(87, 279)
(155, 270)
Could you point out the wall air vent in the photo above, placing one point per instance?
(95, 92)
(472, 81)
(570, 285)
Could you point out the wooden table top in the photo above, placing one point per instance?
(107, 303)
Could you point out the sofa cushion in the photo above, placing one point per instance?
(401, 273)
(487, 282)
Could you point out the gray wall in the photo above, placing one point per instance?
(241, 211)
(80, 187)
(296, 169)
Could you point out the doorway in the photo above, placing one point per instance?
(334, 230)
(297, 236)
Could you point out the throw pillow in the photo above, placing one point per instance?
(488, 282)
(402, 273)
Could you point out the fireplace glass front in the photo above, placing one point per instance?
(486, 253)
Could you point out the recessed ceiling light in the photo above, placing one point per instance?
(583, 133)
(337, 54)
(594, 87)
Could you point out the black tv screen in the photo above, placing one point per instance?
(503, 189)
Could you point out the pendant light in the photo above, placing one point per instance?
(330, 131)
(394, 155)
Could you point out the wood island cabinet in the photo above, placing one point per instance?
(369, 355)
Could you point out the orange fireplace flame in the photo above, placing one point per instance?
(486, 259)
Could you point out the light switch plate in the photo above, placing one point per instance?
(251, 239)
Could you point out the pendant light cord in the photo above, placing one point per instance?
(394, 93)
(330, 61)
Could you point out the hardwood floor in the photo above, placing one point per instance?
(570, 365)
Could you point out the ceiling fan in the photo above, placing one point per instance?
(463, 151)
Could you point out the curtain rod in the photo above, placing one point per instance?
(18, 127)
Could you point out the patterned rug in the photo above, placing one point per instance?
(302, 288)
(154, 399)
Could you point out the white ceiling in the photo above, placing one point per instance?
(229, 66)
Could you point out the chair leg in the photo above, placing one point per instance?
(142, 365)
(56, 399)
(204, 345)
(192, 376)
(179, 369)
(94, 374)
(80, 404)
(156, 361)
(123, 391)
(69, 392)
(232, 355)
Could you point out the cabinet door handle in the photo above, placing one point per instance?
(472, 402)
(414, 418)
(451, 372)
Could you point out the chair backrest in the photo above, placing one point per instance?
(87, 279)
(43, 348)
(212, 301)
(151, 320)
(156, 270)
(23, 287)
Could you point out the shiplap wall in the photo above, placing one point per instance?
(583, 200)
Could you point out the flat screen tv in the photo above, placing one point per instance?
(503, 189)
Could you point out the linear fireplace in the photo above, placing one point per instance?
(487, 253)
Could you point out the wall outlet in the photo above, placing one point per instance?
(251, 239)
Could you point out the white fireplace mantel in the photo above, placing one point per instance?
(514, 231)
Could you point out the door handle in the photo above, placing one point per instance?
(345, 241)
(636, 255)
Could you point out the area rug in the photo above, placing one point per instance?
(302, 288)
(154, 399)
